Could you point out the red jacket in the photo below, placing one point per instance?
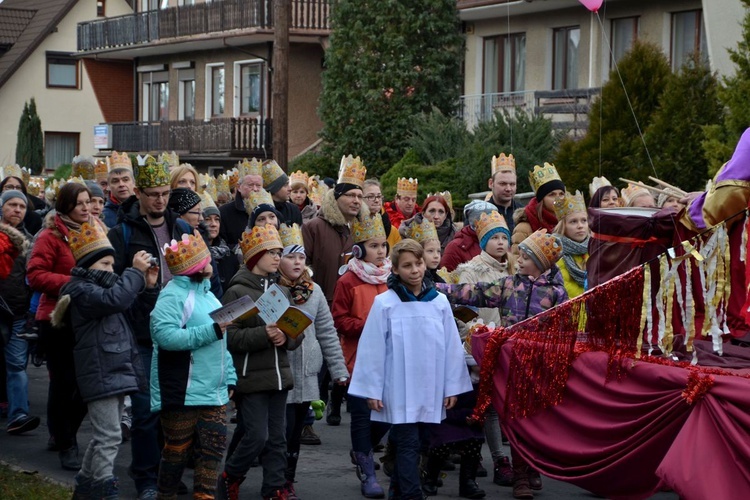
(50, 264)
(352, 301)
(397, 216)
(463, 248)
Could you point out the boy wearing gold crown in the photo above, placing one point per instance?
(107, 363)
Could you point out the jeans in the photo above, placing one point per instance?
(16, 358)
(493, 434)
(99, 459)
(405, 478)
(264, 421)
(144, 433)
(365, 433)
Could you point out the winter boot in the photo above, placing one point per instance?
(291, 466)
(105, 489)
(535, 480)
(366, 473)
(388, 459)
(467, 485)
(69, 459)
(82, 489)
(228, 487)
(521, 488)
(503, 475)
(431, 476)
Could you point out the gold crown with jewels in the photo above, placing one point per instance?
(291, 235)
(424, 231)
(258, 239)
(256, 198)
(568, 204)
(367, 228)
(407, 187)
(503, 163)
(83, 167)
(271, 172)
(352, 171)
(251, 167)
(150, 173)
(89, 238)
(488, 222)
(542, 175)
(299, 177)
(185, 254)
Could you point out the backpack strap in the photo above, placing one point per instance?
(126, 237)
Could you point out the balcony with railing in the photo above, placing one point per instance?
(231, 136)
(201, 20)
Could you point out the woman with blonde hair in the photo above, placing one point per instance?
(184, 176)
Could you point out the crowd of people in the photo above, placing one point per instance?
(111, 278)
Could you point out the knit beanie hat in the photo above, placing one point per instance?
(10, 194)
(181, 200)
(263, 207)
(96, 190)
(475, 209)
(211, 211)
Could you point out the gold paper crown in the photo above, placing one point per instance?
(89, 238)
(448, 198)
(76, 180)
(170, 160)
(12, 171)
(119, 160)
(503, 163)
(206, 200)
(352, 171)
(101, 171)
(569, 204)
(259, 239)
(422, 232)
(367, 228)
(633, 191)
(150, 173)
(407, 187)
(83, 167)
(488, 222)
(316, 189)
(183, 255)
(291, 235)
(35, 185)
(596, 183)
(542, 175)
(299, 177)
(545, 247)
(271, 172)
(256, 198)
(252, 167)
(222, 184)
(25, 175)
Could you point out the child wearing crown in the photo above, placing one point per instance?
(540, 212)
(535, 287)
(107, 363)
(573, 232)
(412, 365)
(423, 231)
(365, 277)
(192, 375)
(300, 195)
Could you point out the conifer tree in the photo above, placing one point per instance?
(30, 141)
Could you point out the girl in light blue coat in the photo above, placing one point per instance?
(192, 374)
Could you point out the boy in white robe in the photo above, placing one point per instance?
(410, 363)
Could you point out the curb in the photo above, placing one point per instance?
(37, 474)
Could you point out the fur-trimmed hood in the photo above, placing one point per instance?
(57, 318)
(330, 212)
(16, 238)
(520, 215)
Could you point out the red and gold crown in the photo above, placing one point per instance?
(89, 238)
(12, 171)
(258, 239)
(352, 171)
(407, 187)
(252, 167)
(83, 167)
(119, 160)
(542, 175)
(255, 198)
(633, 191)
(299, 177)
(291, 235)
(422, 232)
(187, 256)
(596, 183)
(543, 248)
(170, 160)
(569, 204)
(101, 171)
(367, 228)
(503, 163)
(488, 222)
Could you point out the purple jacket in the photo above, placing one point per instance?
(516, 296)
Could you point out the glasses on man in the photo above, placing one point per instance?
(9, 187)
(157, 195)
(374, 197)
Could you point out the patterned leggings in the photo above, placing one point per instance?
(201, 429)
(470, 448)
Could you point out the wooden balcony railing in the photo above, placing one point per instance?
(219, 135)
(198, 19)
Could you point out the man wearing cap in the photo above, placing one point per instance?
(120, 185)
(16, 293)
(234, 216)
(146, 223)
(465, 245)
(503, 186)
(276, 182)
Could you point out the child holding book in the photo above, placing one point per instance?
(412, 368)
(365, 277)
(106, 359)
(192, 375)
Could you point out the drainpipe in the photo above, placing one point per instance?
(591, 52)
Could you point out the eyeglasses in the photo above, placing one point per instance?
(195, 213)
(275, 253)
(9, 187)
(374, 197)
(156, 196)
(353, 196)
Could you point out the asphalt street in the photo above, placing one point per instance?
(324, 471)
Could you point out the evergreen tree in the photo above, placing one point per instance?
(735, 95)
(676, 134)
(30, 142)
(22, 140)
(645, 73)
(388, 60)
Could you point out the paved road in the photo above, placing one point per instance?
(324, 471)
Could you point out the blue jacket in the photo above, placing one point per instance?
(191, 365)
(109, 214)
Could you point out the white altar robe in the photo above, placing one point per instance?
(410, 357)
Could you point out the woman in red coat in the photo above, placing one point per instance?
(49, 269)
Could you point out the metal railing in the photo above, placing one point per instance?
(202, 18)
(219, 135)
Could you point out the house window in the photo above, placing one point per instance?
(504, 63)
(186, 109)
(156, 96)
(62, 71)
(565, 43)
(688, 37)
(100, 8)
(214, 90)
(60, 148)
(624, 34)
(251, 88)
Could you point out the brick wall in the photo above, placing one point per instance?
(113, 86)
